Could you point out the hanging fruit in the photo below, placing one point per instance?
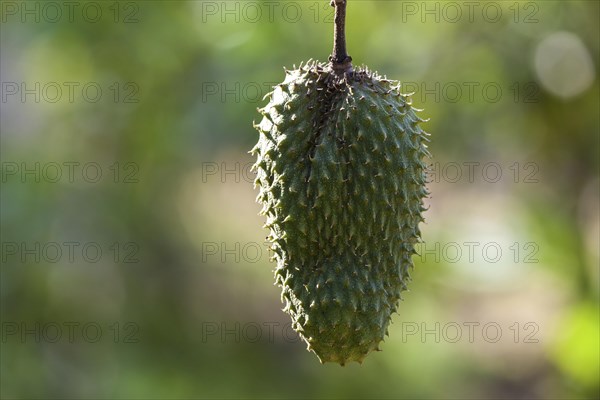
(342, 181)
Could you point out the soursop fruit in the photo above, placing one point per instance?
(342, 181)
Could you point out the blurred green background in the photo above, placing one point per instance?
(133, 258)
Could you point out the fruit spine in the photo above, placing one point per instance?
(342, 181)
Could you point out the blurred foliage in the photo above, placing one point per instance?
(198, 75)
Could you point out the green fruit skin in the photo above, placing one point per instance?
(342, 181)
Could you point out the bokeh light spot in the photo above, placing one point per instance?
(563, 65)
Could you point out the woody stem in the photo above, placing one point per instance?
(340, 60)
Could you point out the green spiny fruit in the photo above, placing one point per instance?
(342, 181)
(342, 178)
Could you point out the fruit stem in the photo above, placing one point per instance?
(339, 60)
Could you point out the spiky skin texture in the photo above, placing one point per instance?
(342, 181)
